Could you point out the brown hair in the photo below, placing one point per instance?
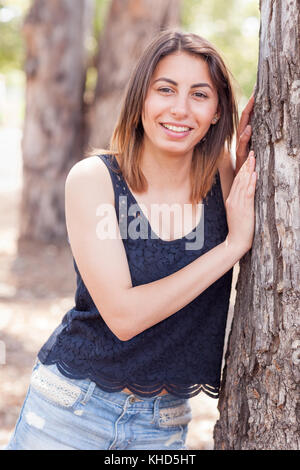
(127, 138)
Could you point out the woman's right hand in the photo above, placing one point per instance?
(240, 207)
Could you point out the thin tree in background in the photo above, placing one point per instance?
(55, 69)
(259, 403)
(131, 24)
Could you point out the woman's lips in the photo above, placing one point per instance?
(181, 131)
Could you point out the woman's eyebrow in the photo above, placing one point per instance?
(196, 85)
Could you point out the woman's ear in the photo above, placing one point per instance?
(216, 117)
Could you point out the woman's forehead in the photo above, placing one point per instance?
(183, 66)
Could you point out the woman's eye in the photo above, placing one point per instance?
(199, 94)
(168, 91)
(165, 90)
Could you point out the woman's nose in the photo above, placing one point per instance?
(180, 108)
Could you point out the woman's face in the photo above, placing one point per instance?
(180, 104)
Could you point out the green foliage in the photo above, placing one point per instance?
(233, 27)
(11, 47)
(101, 10)
(12, 13)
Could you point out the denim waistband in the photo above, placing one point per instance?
(118, 397)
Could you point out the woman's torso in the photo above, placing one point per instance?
(181, 354)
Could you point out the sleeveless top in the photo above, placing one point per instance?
(182, 353)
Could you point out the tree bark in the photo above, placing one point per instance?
(55, 66)
(131, 24)
(259, 402)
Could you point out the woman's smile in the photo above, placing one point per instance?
(176, 131)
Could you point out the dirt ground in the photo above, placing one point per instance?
(36, 289)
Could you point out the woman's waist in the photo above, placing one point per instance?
(129, 392)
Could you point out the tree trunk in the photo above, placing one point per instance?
(129, 27)
(53, 135)
(259, 402)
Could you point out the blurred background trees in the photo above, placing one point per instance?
(71, 65)
(55, 34)
(232, 25)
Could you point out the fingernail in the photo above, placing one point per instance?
(248, 130)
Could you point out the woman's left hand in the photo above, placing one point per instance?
(244, 132)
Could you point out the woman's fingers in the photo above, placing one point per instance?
(245, 116)
(243, 179)
(244, 132)
(248, 167)
(250, 174)
(240, 205)
(251, 187)
(242, 146)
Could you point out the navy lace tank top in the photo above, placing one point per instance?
(182, 353)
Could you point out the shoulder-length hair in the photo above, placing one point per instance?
(127, 138)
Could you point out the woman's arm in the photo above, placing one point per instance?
(103, 263)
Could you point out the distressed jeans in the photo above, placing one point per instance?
(66, 414)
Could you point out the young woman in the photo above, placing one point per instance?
(147, 329)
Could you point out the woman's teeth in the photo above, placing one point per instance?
(176, 128)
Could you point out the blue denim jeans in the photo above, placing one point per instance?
(66, 414)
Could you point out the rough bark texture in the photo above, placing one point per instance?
(129, 27)
(259, 404)
(55, 65)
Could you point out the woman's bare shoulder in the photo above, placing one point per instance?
(88, 166)
(90, 174)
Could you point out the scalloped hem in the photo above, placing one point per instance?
(189, 392)
(142, 390)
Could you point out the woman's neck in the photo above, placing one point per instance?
(166, 172)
